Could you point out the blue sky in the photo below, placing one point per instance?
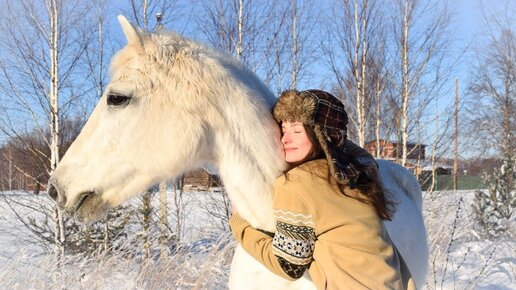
(467, 19)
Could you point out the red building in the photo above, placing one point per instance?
(393, 150)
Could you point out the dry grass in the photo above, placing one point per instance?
(202, 266)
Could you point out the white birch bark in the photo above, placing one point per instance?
(295, 45)
(357, 75)
(405, 93)
(362, 84)
(54, 115)
(378, 122)
(240, 27)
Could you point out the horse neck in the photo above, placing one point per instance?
(249, 163)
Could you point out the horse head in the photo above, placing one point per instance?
(172, 105)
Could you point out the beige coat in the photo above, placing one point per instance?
(340, 240)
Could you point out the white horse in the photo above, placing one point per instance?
(174, 105)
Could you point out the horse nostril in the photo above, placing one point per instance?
(52, 191)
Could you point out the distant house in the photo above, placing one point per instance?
(415, 155)
(440, 169)
(391, 150)
(200, 179)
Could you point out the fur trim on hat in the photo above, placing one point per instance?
(293, 106)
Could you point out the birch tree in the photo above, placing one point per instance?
(54, 113)
(43, 44)
(230, 26)
(272, 39)
(356, 59)
(493, 91)
(299, 50)
(421, 36)
(278, 57)
(241, 28)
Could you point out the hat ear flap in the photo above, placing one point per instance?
(338, 161)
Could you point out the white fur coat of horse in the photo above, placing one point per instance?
(174, 105)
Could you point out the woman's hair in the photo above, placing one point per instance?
(368, 181)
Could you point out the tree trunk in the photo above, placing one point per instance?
(405, 93)
(239, 45)
(378, 122)
(178, 209)
(54, 117)
(146, 223)
(434, 149)
(145, 14)
(146, 209)
(11, 171)
(295, 46)
(357, 75)
(100, 82)
(106, 241)
(163, 210)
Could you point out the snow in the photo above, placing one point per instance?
(459, 257)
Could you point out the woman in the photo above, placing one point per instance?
(329, 205)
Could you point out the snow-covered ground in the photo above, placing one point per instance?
(459, 259)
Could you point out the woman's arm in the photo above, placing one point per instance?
(258, 244)
(288, 252)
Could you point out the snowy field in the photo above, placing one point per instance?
(459, 257)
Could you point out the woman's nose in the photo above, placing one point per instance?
(285, 139)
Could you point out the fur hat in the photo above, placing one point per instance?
(327, 116)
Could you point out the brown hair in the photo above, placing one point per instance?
(368, 181)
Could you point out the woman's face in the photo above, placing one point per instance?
(295, 141)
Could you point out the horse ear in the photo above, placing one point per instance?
(131, 33)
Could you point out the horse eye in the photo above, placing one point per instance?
(117, 100)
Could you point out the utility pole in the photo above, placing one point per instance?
(456, 137)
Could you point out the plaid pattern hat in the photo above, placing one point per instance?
(327, 116)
